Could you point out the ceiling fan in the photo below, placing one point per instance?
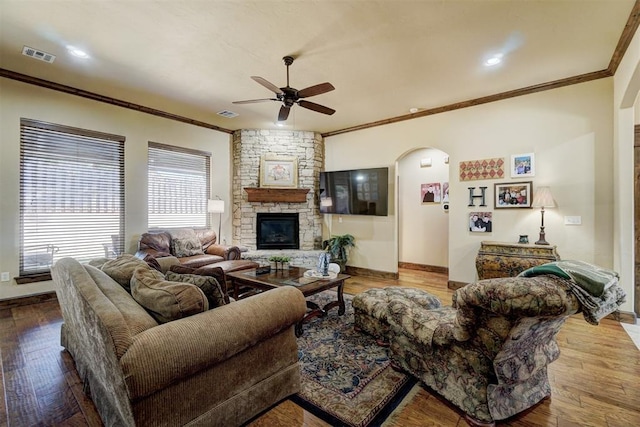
(289, 95)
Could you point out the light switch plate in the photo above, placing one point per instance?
(572, 220)
(5, 276)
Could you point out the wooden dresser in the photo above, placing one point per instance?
(500, 259)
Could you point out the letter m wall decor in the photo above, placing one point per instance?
(482, 169)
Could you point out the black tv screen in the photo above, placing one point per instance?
(355, 192)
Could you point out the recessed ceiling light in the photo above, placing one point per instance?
(77, 52)
(413, 110)
(494, 60)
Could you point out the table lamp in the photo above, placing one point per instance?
(216, 206)
(543, 199)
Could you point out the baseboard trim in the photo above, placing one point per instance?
(359, 271)
(452, 284)
(31, 299)
(424, 267)
(623, 317)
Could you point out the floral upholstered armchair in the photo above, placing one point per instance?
(488, 353)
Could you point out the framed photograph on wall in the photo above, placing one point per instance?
(430, 193)
(523, 165)
(513, 195)
(481, 222)
(278, 172)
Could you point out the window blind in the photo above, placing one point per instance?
(71, 194)
(179, 186)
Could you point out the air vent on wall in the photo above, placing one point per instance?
(228, 114)
(38, 54)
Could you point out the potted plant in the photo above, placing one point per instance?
(273, 261)
(285, 262)
(338, 247)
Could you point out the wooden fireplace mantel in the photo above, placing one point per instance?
(291, 195)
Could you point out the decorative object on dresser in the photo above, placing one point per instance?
(543, 199)
(501, 259)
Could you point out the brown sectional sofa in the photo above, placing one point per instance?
(220, 367)
(192, 247)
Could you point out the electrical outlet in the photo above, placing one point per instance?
(572, 220)
(5, 276)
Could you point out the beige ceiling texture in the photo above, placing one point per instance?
(194, 58)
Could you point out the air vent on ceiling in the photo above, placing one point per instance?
(228, 114)
(38, 54)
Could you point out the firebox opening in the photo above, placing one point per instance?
(277, 231)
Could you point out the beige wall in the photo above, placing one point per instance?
(569, 130)
(19, 100)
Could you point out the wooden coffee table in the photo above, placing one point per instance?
(254, 282)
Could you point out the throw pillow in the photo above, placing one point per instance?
(208, 270)
(208, 284)
(121, 269)
(185, 243)
(165, 300)
(152, 262)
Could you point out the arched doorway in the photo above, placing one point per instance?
(422, 203)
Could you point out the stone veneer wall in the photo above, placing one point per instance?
(248, 148)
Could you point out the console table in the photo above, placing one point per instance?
(500, 259)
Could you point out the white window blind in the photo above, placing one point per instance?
(71, 194)
(179, 186)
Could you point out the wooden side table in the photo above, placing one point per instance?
(499, 259)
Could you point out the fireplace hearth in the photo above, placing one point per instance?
(277, 231)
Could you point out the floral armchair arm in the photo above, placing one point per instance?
(512, 298)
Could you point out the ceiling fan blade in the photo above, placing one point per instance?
(316, 107)
(284, 113)
(251, 101)
(315, 90)
(273, 88)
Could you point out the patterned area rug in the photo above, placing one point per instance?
(347, 379)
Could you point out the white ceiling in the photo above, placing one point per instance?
(193, 58)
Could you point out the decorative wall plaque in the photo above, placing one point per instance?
(482, 169)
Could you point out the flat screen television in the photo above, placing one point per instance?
(355, 192)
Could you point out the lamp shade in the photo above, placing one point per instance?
(215, 206)
(543, 198)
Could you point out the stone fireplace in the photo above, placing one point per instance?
(248, 148)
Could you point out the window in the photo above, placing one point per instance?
(71, 195)
(178, 186)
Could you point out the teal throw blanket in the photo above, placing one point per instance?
(593, 279)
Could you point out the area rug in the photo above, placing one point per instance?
(347, 379)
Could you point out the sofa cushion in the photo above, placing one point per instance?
(152, 262)
(196, 261)
(157, 243)
(185, 242)
(208, 270)
(165, 300)
(121, 269)
(208, 284)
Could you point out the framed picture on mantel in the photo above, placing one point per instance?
(278, 172)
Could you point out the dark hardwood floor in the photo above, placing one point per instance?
(596, 380)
